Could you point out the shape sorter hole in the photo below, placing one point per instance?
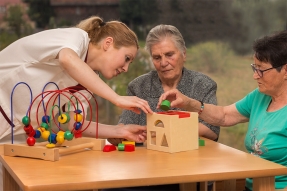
(153, 137)
(159, 123)
(164, 141)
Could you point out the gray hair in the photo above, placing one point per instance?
(159, 32)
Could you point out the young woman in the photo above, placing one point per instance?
(67, 57)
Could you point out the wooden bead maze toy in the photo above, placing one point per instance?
(172, 131)
(58, 140)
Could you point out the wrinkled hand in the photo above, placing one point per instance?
(136, 133)
(176, 98)
(133, 103)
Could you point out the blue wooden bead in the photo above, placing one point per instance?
(78, 125)
(37, 134)
(46, 119)
(78, 111)
(52, 138)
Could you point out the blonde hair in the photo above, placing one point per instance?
(97, 30)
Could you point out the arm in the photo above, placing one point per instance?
(83, 74)
(204, 131)
(215, 115)
(128, 117)
(206, 91)
(135, 133)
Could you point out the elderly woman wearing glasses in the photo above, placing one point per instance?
(265, 108)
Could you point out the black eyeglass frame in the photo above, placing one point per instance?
(260, 72)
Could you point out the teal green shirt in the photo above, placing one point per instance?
(266, 136)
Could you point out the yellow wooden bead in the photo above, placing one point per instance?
(60, 138)
(45, 135)
(63, 118)
(61, 133)
(50, 145)
(78, 117)
(41, 129)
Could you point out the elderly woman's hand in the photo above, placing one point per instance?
(176, 98)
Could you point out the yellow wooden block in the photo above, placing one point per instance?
(128, 142)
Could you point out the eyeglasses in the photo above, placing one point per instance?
(260, 72)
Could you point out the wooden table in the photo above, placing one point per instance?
(96, 169)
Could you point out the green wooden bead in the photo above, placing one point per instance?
(45, 125)
(26, 120)
(68, 135)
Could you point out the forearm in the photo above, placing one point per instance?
(84, 75)
(104, 131)
(206, 132)
(211, 114)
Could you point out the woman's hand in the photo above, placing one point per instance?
(131, 132)
(133, 103)
(176, 98)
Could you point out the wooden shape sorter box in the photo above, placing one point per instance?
(172, 131)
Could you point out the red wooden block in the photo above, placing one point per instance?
(109, 148)
(129, 147)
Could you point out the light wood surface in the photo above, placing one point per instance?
(96, 169)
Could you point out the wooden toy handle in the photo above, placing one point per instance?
(75, 148)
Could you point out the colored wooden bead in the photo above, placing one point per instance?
(31, 141)
(50, 145)
(46, 119)
(32, 133)
(28, 129)
(37, 134)
(78, 111)
(61, 133)
(60, 138)
(52, 138)
(45, 135)
(77, 125)
(78, 117)
(64, 118)
(44, 125)
(41, 129)
(68, 135)
(26, 120)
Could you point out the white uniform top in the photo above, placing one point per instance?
(32, 60)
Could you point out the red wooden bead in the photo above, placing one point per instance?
(31, 141)
(28, 129)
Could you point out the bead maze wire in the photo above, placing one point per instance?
(45, 130)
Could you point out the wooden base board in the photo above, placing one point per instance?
(40, 151)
